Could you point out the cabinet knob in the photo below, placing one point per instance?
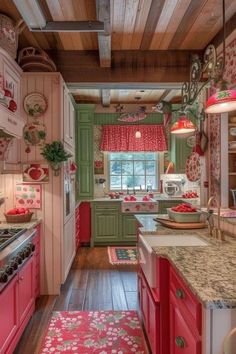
(180, 342)
(179, 293)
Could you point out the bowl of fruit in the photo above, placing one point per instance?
(18, 215)
(184, 213)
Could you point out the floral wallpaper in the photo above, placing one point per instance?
(214, 151)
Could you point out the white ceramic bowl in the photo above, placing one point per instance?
(184, 217)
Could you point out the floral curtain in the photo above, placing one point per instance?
(122, 138)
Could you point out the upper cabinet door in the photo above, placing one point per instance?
(68, 119)
(66, 116)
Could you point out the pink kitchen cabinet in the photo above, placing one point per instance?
(182, 339)
(150, 311)
(9, 314)
(77, 227)
(185, 318)
(36, 242)
(17, 303)
(84, 223)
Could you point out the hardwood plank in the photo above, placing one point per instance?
(118, 15)
(132, 300)
(129, 280)
(76, 302)
(187, 21)
(131, 11)
(152, 20)
(140, 22)
(162, 24)
(174, 23)
(118, 293)
(230, 27)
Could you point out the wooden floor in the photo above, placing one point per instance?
(92, 284)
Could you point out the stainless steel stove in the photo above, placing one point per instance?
(9, 235)
(16, 247)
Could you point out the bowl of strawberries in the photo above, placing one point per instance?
(184, 213)
(18, 215)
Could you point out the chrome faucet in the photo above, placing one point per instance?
(215, 232)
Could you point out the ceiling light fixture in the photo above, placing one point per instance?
(183, 126)
(225, 99)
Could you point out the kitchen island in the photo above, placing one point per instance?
(199, 289)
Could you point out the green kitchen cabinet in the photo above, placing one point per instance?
(179, 153)
(84, 151)
(129, 227)
(164, 204)
(105, 223)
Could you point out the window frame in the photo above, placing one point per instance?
(159, 169)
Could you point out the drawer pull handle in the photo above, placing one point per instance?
(179, 293)
(180, 342)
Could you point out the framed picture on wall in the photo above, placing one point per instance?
(36, 173)
(28, 196)
(99, 167)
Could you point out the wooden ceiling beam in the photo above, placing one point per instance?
(106, 97)
(127, 66)
(151, 23)
(104, 39)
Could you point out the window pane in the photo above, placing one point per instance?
(139, 156)
(151, 156)
(150, 167)
(139, 168)
(151, 182)
(127, 182)
(115, 167)
(127, 168)
(139, 181)
(115, 182)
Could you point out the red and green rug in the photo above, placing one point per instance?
(97, 332)
(122, 255)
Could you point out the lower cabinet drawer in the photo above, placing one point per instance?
(182, 339)
(185, 299)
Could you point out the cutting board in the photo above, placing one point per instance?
(180, 225)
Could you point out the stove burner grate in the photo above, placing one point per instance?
(9, 235)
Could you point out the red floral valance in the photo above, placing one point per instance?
(122, 138)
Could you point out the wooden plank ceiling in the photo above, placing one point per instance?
(149, 41)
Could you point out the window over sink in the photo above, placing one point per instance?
(137, 171)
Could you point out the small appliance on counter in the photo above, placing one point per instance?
(173, 187)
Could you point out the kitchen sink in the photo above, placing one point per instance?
(147, 257)
(171, 240)
(139, 206)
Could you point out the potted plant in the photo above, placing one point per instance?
(55, 154)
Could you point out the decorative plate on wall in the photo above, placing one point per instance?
(35, 104)
(193, 167)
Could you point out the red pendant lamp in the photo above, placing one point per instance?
(225, 99)
(183, 126)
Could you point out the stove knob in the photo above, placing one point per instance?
(14, 264)
(19, 259)
(21, 255)
(27, 251)
(32, 246)
(3, 277)
(9, 270)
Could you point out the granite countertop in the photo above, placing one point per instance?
(209, 271)
(23, 225)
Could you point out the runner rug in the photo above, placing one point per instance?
(122, 255)
(97, 332)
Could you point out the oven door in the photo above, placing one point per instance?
(147, 261)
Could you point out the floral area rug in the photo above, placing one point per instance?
(122, 255)
(97, 332)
